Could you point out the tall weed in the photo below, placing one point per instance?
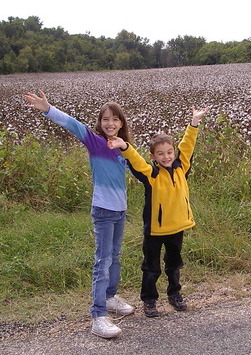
(43, 175)
(220, 188)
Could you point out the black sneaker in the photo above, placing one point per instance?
(150, 308)
(177, 302)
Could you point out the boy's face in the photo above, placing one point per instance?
(164, 154)
(110, 124)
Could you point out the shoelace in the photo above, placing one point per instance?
(120, 301)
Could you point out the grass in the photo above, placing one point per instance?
(46, 263)
(46, 249)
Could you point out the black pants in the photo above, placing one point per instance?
(151, 264)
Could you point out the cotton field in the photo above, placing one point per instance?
(154, 100)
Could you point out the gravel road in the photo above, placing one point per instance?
(222, 328)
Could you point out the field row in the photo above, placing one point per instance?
(153, 100)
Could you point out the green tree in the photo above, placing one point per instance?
(183, 50)
(4, 46)
(26, 46)
(26, 61)
(14, 28)
(45, 57)
(236, 52)
(122, 61)
(137, 61)
(210, 53)
(157, 53)
(137, 47)
(33, 24)
(8, 65)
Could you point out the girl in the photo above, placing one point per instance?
(109, 204)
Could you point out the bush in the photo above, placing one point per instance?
(44, 176)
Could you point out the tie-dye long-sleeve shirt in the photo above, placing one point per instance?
(108, 166)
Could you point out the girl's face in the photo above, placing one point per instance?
(164, 154)
(110, 124)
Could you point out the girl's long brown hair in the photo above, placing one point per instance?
(117, 111)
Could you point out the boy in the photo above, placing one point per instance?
(167, 212)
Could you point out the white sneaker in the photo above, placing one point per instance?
(103, 327)
(118, 305)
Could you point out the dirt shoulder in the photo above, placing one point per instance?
(202, 296)
(212, 329)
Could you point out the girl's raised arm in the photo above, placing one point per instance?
(37, 102)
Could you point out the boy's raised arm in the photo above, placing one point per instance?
(198, 114)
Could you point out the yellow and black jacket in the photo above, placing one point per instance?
(167, 208)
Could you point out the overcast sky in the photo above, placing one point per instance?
(215, 20)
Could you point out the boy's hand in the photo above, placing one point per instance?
(197, 114)
(116, 142)
(37, 102)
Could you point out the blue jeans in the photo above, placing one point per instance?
(108, 229)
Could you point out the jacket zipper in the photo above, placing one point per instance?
(160, 215)
(188, 215)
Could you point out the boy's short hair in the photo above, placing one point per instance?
(160, 138)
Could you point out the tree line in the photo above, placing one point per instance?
(27, 47)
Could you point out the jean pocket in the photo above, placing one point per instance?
(99, 212)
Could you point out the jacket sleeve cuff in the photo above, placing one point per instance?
(127, 146)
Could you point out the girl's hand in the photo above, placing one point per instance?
(116, 142)
(37, 102)
(197, 114)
